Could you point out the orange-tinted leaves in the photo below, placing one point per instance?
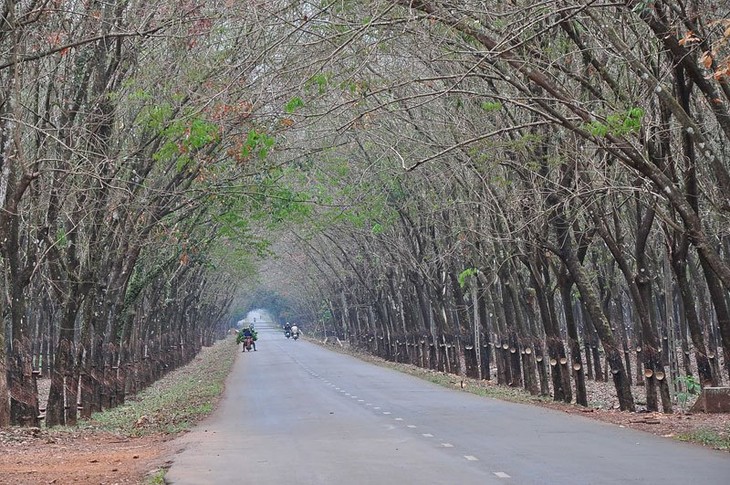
(706, 59)
(689, 38)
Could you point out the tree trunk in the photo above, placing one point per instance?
(566, 284)
(485, 339)
(704, 369)
(555, 345)
(592, 305)
(23, 390)
(63, 368)
(4, 402)
(23, 393)
(513, 359)
(719, 303)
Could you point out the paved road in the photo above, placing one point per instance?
(295, 413)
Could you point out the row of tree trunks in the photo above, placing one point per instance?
(530, 336)
(106, 386)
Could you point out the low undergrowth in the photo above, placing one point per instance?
(178, 400)
(719, 440)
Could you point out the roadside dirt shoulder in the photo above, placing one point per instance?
(34, 456)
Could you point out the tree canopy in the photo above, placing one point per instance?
(536, 192)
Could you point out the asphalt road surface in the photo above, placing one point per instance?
(296, 413)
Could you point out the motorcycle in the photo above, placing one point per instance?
(247, 344)
(287, 334)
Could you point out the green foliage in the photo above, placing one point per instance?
(240, 337)
(257, 142)
(293, 105)
(231, 224)
(140, 95)
(276, 201)
(61, 238)
(490, 106)
(261, 247)
(321, 81)
(357, 218)
(287, 205)
(158, 478)
(143, 275)
(618, 124)
(349, 86)
(500, 181)
(167, 151)
(181, 138)
(200, 134)
(467, 273)
(155, 117)
(689, 386)
(596, 128)
(468, 38)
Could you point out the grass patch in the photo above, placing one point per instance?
(157, 478)
(708, 437)
(177, 401)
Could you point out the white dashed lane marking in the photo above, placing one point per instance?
(411, 426)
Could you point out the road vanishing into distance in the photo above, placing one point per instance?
(296, 413)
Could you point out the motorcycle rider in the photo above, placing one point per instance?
(295, 331)
(249, 332)
(287, 329)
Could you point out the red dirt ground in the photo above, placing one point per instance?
(34, 457)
